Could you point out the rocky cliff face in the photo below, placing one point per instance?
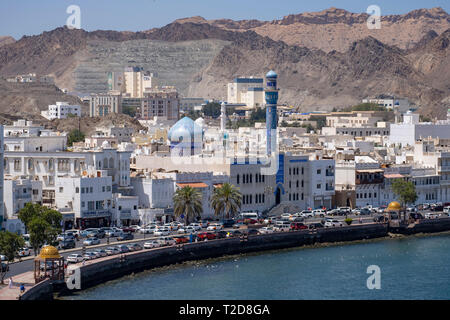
(324, 60)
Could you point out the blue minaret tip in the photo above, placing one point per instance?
(271, 74)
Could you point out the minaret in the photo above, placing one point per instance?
(223, 117)
(271, 95)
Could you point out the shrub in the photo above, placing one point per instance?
(348, 221)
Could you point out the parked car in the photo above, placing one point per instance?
(265, 230)
(125, 236)
(89, 255)
(446, 210)
(236, 233)
(75, 258)
(214, 227)
(333, 223)
(67, 244)
(298, 226)
(252, 231)
(316, 225)
(179, 240)
(135, 246)
(91, 241)
(307, 214)
(166, 241)
(344, 210)
(162, 231)
(113, 232)
(228, 223)
(147, 230)
(319, 213)
(101, 252)
(151, 244)
(196, 226)
(379, 218)
(430, 215)
(112, 251)
(238, 225)
(416, 215)
(123, 248)
(281, 226)
(206, 235)
(24, 252)
(333, 212)
(129, 229)
(365, 212)
(437, 207)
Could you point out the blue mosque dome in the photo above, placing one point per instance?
(183, 128)
(271, 74)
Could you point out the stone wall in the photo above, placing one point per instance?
(41, 291)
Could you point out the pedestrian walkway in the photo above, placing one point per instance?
(26, 278)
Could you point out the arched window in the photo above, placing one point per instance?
(111, 163)
(105, 163)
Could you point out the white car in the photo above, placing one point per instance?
(214, 227)
(91, 241)
(24, 252)
(113, 232)
(89, 256)
(147, 230)
(286, 216)
(319, 213)
(333, 223)
(75, 258)
(166, 241)
(163, 231)
(307, 214)
(447, 210)
(266, 230)
(196, 226)
(282, 226)
(190, 229)
(152, 244)
(430, 215)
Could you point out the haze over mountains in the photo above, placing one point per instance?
(325, 59)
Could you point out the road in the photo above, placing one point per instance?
(27, 265)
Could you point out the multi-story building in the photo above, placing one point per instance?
(247, 91)
(61, 110)
(102, 104)
(2, 152)
(159, 103)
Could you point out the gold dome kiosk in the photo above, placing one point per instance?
(49, 264)
(393, 211)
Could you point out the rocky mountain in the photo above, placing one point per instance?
(6, 40)
(200, 57)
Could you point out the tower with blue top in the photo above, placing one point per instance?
(271, 95)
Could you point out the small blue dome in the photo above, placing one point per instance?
(271, 74)
(183, 128)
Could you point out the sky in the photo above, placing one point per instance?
(30, 17)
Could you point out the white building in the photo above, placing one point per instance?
(247, 91)
(412, 129)
(125, 210)
(61, 110)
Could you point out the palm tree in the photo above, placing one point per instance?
(226, 200)
(188, 202)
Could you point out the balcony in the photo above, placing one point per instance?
(95, 213)
(329, 173)
(369, 181)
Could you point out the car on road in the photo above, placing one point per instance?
(365, 212)
(89, 255)
(430, 215)
(344, 210)
(265, 230)
(162, 231)
(282, 226)
(75, 258)
(238, 225)
(298, 226)
(319, 213)
(101, 252)
(125, 236)
(135, 246)
(112, 251)
(379, 218)
(252, 231)
(65, 236)
(24, 252)
(333, 223)
(416, 215)
(179, 240)
(214, 227)
(113, 232)
(166, 241)
(206, 235)
(316, 225)
(147, 230)
(190, 229)
(446, 210)
(228, 223)
(151, 244)
(123, 248)
(91, 241)
(307, 214)
(66, 244)
(129, 229)
(333, 212)
(196, 226)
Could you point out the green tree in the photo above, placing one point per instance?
(226, 200)
(405, 191)
(74, 136)
(187, 202)
(43, 224)
(10, 244)
(212, 109)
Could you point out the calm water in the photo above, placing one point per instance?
(411, 268)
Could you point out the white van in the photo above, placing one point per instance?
(446, 210)
(281, 226)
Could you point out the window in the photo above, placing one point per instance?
(61, 189)
(82, 204)
(35, 192)
(319, 186)
(103, 189)
(91, 205)
(319, 171)
(91, 190)
(77, 190)
(82, 190)
(108, 188)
